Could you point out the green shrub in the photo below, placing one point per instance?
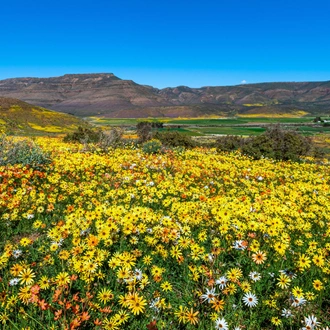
(174, 139)
(24, 152)
(84, 135)
(229, 142)
(275, 143)
(287, 144)
(258, 147)
(152, 146)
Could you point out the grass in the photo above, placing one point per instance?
(199, 121)
(232, 130)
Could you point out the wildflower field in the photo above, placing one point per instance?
(181, 239)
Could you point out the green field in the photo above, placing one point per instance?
(239, 121)
(222, 126)
(198, 121)
(232, 130)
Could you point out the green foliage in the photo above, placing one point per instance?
(84, 135)
(24, 152)
(275, 143)
(258, 147)
(152, 146)
(174, 139)
(229, 142)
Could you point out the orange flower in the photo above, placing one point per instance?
(192, 317)
(75, 309)
(85, 316)
(68, 305)
(218, 305)
(75, 297)
(74, 324)
(35, 289)
(58, 314)
(97, 322)
(92, 241)
(43, 305)
(259, 257)
(73, 277)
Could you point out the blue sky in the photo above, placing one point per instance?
(168, 43)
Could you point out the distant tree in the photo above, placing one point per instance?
(143, 129)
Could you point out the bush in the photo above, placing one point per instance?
(152, 146)
(174, 139)
(100, 139)
(287, 145)
(143, 130)
(258, 147)
(84, 135)
(113, 138)
(24, 152)
(275, 143)
(229, 142)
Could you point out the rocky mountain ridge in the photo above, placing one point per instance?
(107, 95)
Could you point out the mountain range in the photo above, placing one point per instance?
(106, 95)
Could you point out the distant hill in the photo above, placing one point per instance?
(107, 95)
(17, 116)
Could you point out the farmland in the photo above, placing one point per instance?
(245, 126)
(183, 239)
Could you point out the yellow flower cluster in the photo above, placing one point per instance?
(97, 240)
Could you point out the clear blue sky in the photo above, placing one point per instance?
(168, 43)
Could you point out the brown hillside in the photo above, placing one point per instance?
(107, 95)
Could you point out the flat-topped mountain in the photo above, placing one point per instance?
(82, 94)
(107, 95)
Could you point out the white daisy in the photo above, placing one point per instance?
(17, 253)
(209, 295)
(138, 274)
(222, 282)
(14, 281)
(298, 301)
(221, 324)
(255, 276)
(311, 320)
(286, 313)
(239, 245)
(250, 299)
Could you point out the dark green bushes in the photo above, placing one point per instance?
(275, 143)
(174, 139)
(169, 139)
(84, 135)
